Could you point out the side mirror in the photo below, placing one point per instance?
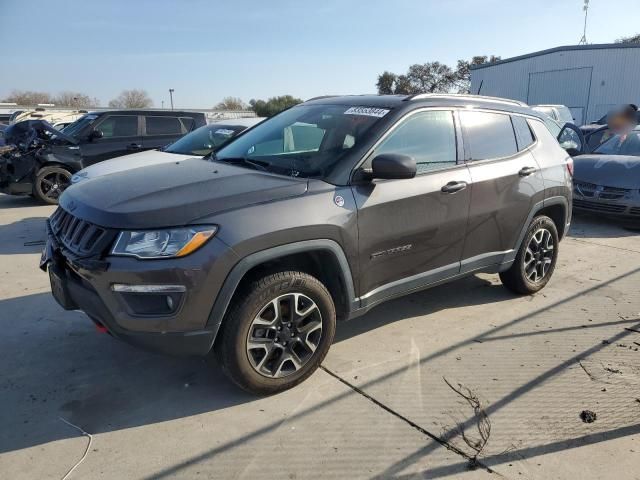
(393, 166)
(95, 134)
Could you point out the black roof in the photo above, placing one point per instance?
(143, 111)
(564, 48)
(436, 100)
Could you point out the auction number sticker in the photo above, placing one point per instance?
(367, 111)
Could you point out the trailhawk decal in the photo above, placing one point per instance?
(367, 111)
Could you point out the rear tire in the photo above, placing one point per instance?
(277, 332)
(50, 183)
(536, 258)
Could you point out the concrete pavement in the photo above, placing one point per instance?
(380, 408)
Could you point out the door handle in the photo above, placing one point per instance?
(134, 146)
(526, 171)
(453, 187)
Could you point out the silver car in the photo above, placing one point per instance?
(607, 181)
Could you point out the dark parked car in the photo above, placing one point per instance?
(315, 215)
(44, 166)
(607, 181)
(202, 141)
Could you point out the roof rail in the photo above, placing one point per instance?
(321, 97)
(420, 96)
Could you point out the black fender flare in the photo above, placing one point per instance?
(238, 272)
(556, 200)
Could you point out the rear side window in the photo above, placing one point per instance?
(119, 126)
(487, 135)
(524, 137)
(429, 137)
(188, 123)
(163, 126)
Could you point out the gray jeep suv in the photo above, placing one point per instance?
(316, 215)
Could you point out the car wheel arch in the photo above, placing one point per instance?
(289, 256)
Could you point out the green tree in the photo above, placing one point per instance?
(431, 77)
(231, 103)
(632, 39)
(273, 105)
(135, 98)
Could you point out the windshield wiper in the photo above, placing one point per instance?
(262, 166)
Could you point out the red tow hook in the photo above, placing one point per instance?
(101, 328)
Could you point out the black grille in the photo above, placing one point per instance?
(599, 207)
(634, 211)
(78, 236)
(591, 190)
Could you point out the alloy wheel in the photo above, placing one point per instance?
(539, 255)
(53, 184)
(284, 335)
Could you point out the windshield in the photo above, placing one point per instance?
(623, 144)
(304, 141)
(76, 127)
(204, 140)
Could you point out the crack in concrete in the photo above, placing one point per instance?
(602, 245)
(409, 422)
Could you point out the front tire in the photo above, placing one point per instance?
(277, 332)
(536, 258)
(50, 183)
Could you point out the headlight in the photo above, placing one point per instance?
(174, 242)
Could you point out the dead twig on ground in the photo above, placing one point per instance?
(478, 442)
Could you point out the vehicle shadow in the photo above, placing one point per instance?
(27, 235)
(585, 225)
(54, 364)
(18, 201)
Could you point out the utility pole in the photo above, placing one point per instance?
(585, 8)
(171, 92)
(162, 101)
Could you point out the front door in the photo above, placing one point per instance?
(120, 136)
(411, 232)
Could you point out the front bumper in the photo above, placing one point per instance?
(80, 284)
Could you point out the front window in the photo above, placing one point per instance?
(304, 141)
(204, 140)
(79, 125)
(623, 144)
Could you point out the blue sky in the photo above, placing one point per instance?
(208, 49)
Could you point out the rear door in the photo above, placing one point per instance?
(411, 232)
(506, 183)
(160, 131)
(120, 136)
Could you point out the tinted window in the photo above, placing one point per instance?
(163, 126)
(487, 135)
(188, 123)
(204, 139)
(429, 137)
(119, 126)
(524, 137)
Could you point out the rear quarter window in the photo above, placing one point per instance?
(487, 135)
(524, 136)
(163, 126)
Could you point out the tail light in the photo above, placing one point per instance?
(570, 166)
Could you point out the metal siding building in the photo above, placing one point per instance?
(589, 79)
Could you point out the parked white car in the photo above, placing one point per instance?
(198, 143)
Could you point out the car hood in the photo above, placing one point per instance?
(174, 194)
(620, 171)
(128, 162)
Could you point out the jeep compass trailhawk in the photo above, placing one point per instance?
(317, 214)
